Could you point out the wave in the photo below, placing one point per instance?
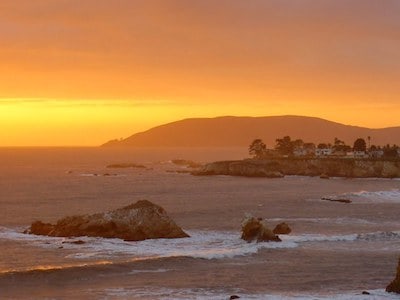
(380, 236)
(93, 253)
(388, 196)
(208, 294)
(340, 220)
(201, 244)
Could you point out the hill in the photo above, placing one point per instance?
(240, 131)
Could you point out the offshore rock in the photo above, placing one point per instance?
(394, 286)
(139, 221)
(282, 228)
(254, 229)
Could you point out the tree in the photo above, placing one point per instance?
(340, 146)
(360, 145)
(390, 151)
(285, 145)
(322, 146)
(257, 148)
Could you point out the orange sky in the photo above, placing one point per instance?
(76, 72)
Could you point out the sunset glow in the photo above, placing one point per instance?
(83, 72)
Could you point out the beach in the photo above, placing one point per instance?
(336, 250)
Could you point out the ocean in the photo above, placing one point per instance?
(335, 251)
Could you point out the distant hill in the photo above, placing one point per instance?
(240, 131)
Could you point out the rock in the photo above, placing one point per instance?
(366, 293)
(78, 242)
(234, 297)
(336, 200)
(394, 286)
(254, 229)
(41, 228)
(135, 222)
(282, 228)
(323, 167)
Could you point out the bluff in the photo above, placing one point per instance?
(278, 167)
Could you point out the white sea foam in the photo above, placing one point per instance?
(389, 196)
(201, 244)
(149, 271)
(342, 220)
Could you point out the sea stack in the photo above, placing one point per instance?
(139, 221)
(255, 229)
(394, 286)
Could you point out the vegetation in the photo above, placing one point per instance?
(257, 148)
(360, 145)
(286, 147)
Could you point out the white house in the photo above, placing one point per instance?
(323, 152)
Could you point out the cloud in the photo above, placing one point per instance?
(85, 103)
(199, 48)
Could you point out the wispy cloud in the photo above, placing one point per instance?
(85, 103)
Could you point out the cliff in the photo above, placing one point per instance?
(278, 167)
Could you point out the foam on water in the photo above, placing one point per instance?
(201, 244)
(389, 196)
(343, 220)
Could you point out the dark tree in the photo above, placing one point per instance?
(257, 148)
(285, 145)
(390, 151)
(322, 146)
(360, 145)
(340, 146)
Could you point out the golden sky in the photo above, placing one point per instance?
(77, 72)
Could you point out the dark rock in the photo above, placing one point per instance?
(282, 228)
(394, 286)
(135, 222)
(78, 242)
(366, 293)
(336, 200)
(234, 297)
(41, 228)
(254, 229)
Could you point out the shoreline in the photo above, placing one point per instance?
(323, 167)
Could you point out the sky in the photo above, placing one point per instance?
(79, 73)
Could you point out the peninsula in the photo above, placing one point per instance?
(296, 157)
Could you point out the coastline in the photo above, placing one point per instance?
(324, 167)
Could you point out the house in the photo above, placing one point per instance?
(360, 154)
(377, 153)
(323, 152)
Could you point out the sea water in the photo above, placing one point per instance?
(335, 251)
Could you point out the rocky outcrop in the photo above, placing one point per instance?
(282, 228)
(336, 200)
(246, 168)
(324, 167)
(254, 229)
(135, 222)
(394, 286)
